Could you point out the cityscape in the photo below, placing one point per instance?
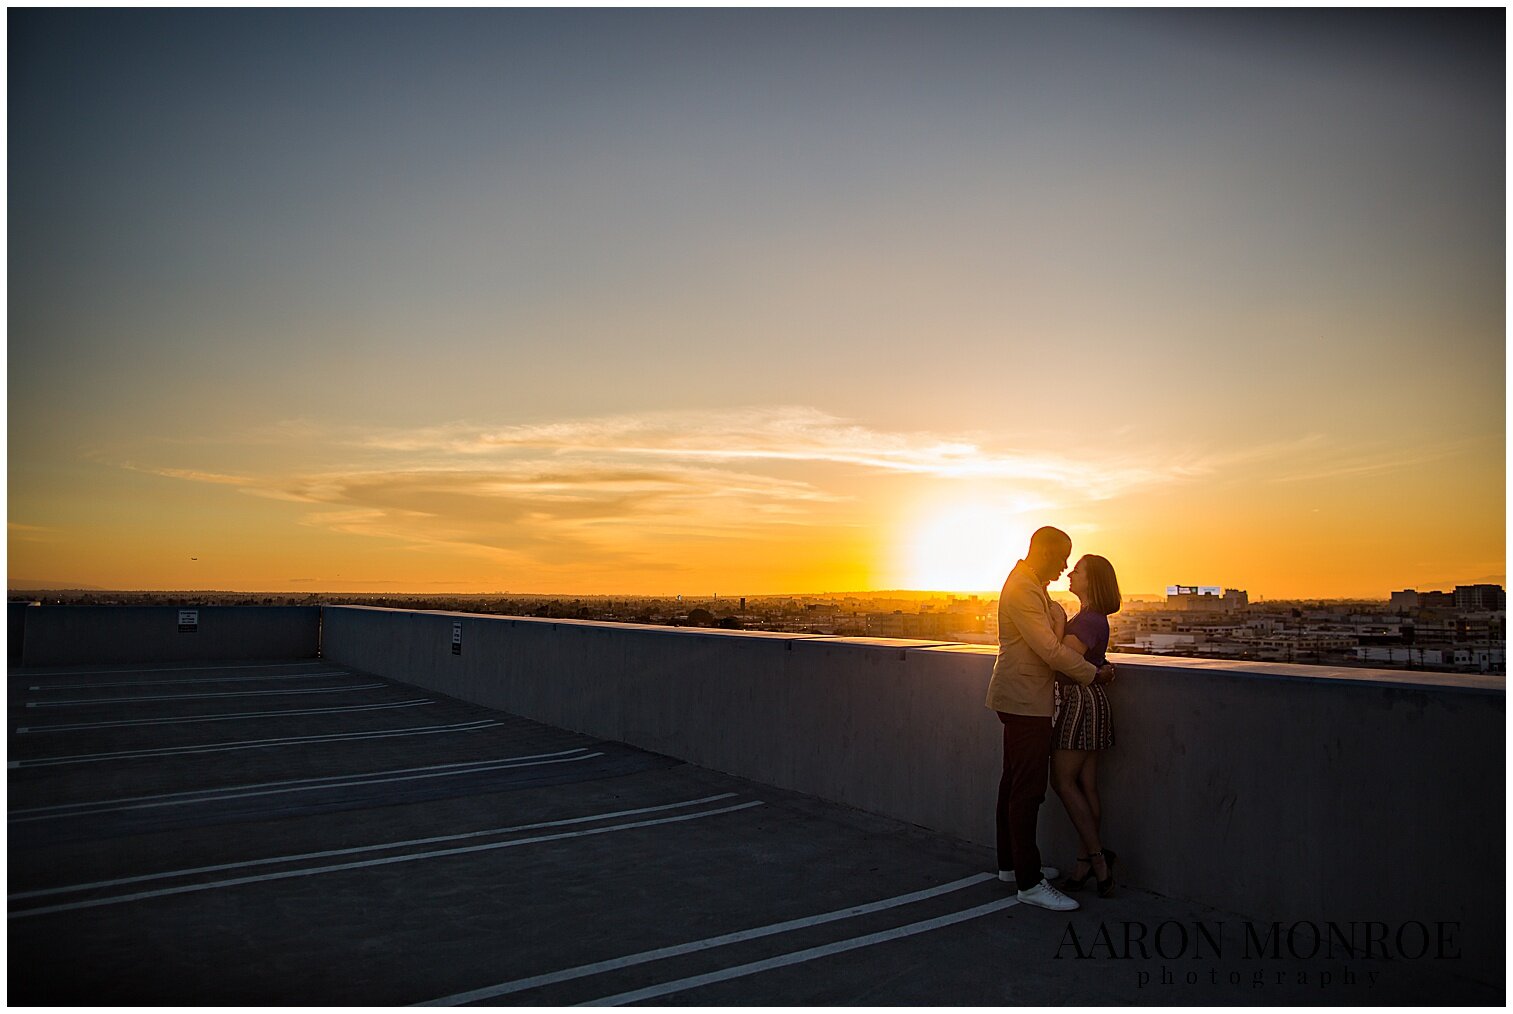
(1463, 630)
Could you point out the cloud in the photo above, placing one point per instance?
(193, 475)
(534, 511)
(785, 434)
(32, 533)
(611, 490)
(1358, 463)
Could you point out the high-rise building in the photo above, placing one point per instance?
(1205, 598)
(1193, 597)
(1479, 598)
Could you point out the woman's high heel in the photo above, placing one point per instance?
(1105, 887)
(1069, 883)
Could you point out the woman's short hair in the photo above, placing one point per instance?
(1102, 584)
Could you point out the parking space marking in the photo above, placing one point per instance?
(196, 697)
(708, 943)
(798, 957)
(357, 850)
(295, 785)
(132, 723)
(211, 679)
(178, 668)
(368, 863)
(257, 744)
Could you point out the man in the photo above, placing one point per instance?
(1030, 653)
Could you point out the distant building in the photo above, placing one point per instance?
(923, 626)
(1486, 658)
(1405, 655)
(1479, 598)
(1162, 643)
(1188, 597)
(1436, 600)
(1467, 598)
(1205, 598)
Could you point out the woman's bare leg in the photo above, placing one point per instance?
(1066, 768)
(1087, 781)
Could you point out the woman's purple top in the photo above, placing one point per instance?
(1091, 628)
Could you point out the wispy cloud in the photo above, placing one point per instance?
(557, 510)
(786, 434)
(193, 475)
(31, 533)
(607, 488)
(1327, 464)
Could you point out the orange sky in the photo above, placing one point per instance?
(749, 303)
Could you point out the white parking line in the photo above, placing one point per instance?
(295, 785)
(256, 744)
(130, 724)
(179, 668)
(708, 943)
(367, 863)
(212, 679)
(329, 853)
(797, 957)
(196, 697)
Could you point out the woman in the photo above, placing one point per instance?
(1084, 723)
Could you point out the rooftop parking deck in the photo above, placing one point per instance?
(302, 831)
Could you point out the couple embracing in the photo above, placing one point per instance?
(1043, 657)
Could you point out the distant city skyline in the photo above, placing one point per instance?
(642, 302)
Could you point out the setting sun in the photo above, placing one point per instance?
(966, 548)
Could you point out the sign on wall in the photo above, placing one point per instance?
(457, 637)
(189, 621)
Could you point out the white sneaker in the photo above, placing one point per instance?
(1048, 872)
(1043, 895)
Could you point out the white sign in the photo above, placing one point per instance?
(457, 637)
(189, 617)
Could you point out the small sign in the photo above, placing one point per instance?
(189, 621)
(457, 637)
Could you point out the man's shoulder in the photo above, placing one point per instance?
(1022, 577)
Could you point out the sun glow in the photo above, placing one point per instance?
(964, 548)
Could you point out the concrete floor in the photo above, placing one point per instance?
(297, 833)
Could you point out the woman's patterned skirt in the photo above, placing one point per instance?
(1083, 718)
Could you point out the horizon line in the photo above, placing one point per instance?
(1128, 596)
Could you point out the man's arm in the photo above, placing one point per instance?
(1023, 606)
(1075, 643)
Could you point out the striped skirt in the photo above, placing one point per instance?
(1083, 718)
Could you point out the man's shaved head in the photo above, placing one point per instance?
(1047, 539)
(1050, 548)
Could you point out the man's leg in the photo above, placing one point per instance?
(1005, 798)
(1026, 760)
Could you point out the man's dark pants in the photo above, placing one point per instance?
(1021, 790)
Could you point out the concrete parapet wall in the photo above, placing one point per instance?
(1279, 792)
(15, 630)
(88, 635)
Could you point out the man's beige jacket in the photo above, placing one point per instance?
(1030, 649)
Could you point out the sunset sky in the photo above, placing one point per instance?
(754, 302)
